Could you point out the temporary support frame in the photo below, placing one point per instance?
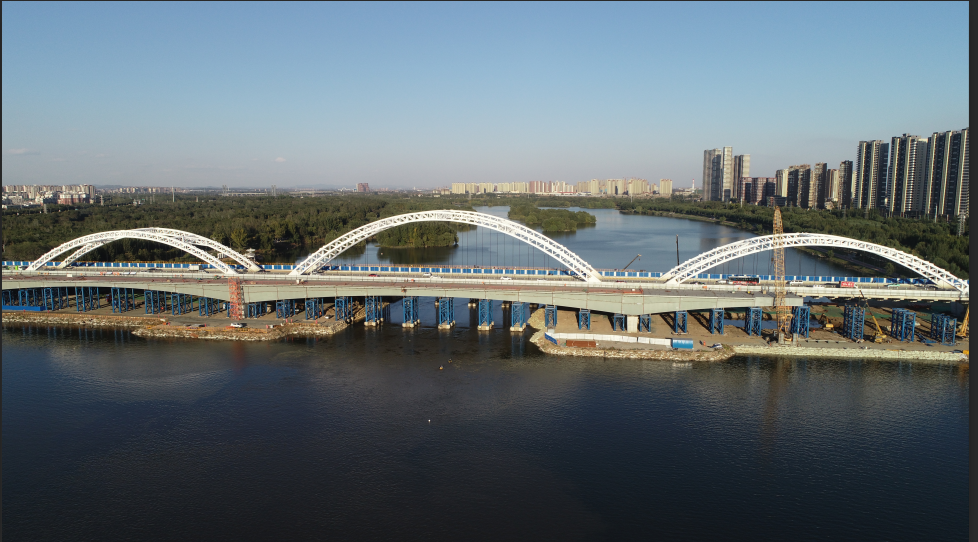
(584, 319)
(902, 324)
(343, 307)
(942, 328)
(314, 308)
(123, 299)
(854, 322)
(8, 298)
(410, 307)
(645, 323)
(752, 322)
(618, 322)
(716, 321)
(208, 306)
(256, 310)
(181, 303)
(485, 314)
(518, 315)
(285, 308)
(800, 320)
(86, 298)
(550, 317)
(679, 322)
(446, 312)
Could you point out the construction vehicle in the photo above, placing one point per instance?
(824, 320)
(963, 328)
(879, 335)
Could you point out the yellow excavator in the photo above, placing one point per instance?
(963, 327)
(879, 335)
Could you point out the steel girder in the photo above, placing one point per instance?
(708, 260)
(185, 242)
(518, 231)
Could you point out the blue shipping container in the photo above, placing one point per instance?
(683, 343)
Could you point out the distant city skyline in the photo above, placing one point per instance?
(426, 95)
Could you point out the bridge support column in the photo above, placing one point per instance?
(518, 316)
(410, 307)
(799, 321)
(584, 319)
(679, 322)
(485, 315)
(446, 313)
(716, 321)
(752, 323)
(645, 323)
(550, 317)
(631, 323)
(314, 308)
(854, 322)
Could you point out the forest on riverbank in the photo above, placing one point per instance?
(550, 220)
(278, 228)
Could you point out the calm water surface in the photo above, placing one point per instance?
(610, 244)
(107, 436)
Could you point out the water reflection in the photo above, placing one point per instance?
(313, 433)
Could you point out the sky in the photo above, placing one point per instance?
(404, 95)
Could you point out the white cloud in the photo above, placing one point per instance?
(280, 159)
(20, 152)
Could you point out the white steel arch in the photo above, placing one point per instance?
(707, 260)
(95, 240)
(187, 237)
(518, 231)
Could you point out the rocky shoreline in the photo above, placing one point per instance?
(161, 328)
(156, 327)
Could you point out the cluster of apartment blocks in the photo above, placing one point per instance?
(594, 187)
(22, 194)
(911, 176)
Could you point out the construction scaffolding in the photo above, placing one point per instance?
(752, 323)
(780, 288)
(236, 304)
(902, 323)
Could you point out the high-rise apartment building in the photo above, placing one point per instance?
(846, 183)
(816, 189)
(871, 157)
(665, 187)
(741, 169)
(906, 175)
(946, 190)
(831, 200)
(799, 185)
(781, 183)
(718, 174)
(363, 187)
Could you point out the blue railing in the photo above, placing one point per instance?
(472, 271)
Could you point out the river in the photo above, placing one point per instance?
(611, 243)
(385, 433)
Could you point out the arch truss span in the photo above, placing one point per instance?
(185, 241)
(548, 246)
(708, 260)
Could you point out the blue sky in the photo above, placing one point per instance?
(404, 95)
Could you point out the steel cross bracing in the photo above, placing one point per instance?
(529, 236)
(175, 238)
(699, 264)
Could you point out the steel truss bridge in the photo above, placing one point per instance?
(579, 286)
